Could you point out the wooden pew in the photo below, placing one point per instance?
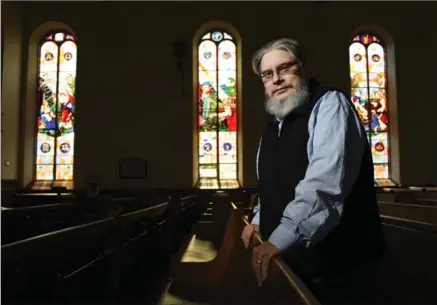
(129, 236)
(282, 277)
(413, 195)
(192, 207)
(182, 213)
(416, 212)
(25, 222)
(153, 254)
(39, 257)
(228, 278)
(40, 198)
(57, 256)
(409, 269)
(96, 259)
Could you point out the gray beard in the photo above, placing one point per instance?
(281, 109)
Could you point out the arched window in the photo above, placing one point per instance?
(57, 59)
(368, 72)
(217, 110)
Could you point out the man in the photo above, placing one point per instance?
(318, 206)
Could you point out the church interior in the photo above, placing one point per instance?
(148, 207)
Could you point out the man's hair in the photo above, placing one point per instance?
(285, 44)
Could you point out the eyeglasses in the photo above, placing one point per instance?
(281, 70)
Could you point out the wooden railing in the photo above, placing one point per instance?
(284, 271)
(228, 277)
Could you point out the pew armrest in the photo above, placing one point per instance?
(304, 293)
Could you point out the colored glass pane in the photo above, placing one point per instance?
(217, 111)
(379, 111)
(384, 182)
(357, 57)
(66, 102)
(48, 61)
(360, 100)
(381, 171)
(67, 57)
(379, 145)
(45, 150)
(229, 184)
(228, 171)
(376, 58)
(227, 147)
(56, 93)
(208, 171)
(59, 36)
(208, 104)
(207, 56)
(217, 36)
(227, 56)
(64, 172)
(368, 94)
(208, 183)
(44, 172)
(227, 36)
(47, 92)
(65, 149)
(227, 114)
(207, 147)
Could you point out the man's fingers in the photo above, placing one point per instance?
(247, 235)
(243, 234)
(244, 237)
(246, 241)
(254, 241)
(256, 265)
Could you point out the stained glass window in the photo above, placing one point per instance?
(56, 95)
(368, 72)
(217, 110)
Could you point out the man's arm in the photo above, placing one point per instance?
(336, 146)
(256, 209)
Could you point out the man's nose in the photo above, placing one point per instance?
(277, 79)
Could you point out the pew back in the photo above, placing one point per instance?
(229, 279)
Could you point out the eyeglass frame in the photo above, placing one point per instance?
(281, 70)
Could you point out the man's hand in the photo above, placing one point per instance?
(248, 233)
(262, 254)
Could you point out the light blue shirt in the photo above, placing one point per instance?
(335, 148)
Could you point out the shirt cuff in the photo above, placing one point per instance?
(255, 219)
(283, 238)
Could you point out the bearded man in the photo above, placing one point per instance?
(317, 199)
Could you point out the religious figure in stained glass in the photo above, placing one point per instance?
(217, 112)
(368, 72)
(56, 93)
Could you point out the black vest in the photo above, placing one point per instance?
(282, 164)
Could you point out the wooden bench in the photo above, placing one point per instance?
(39, 198)
(25, 222)
(409, 269)
(424, 213)
(39, 257)
(413, 195)
(56, 256)
(228, 278)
